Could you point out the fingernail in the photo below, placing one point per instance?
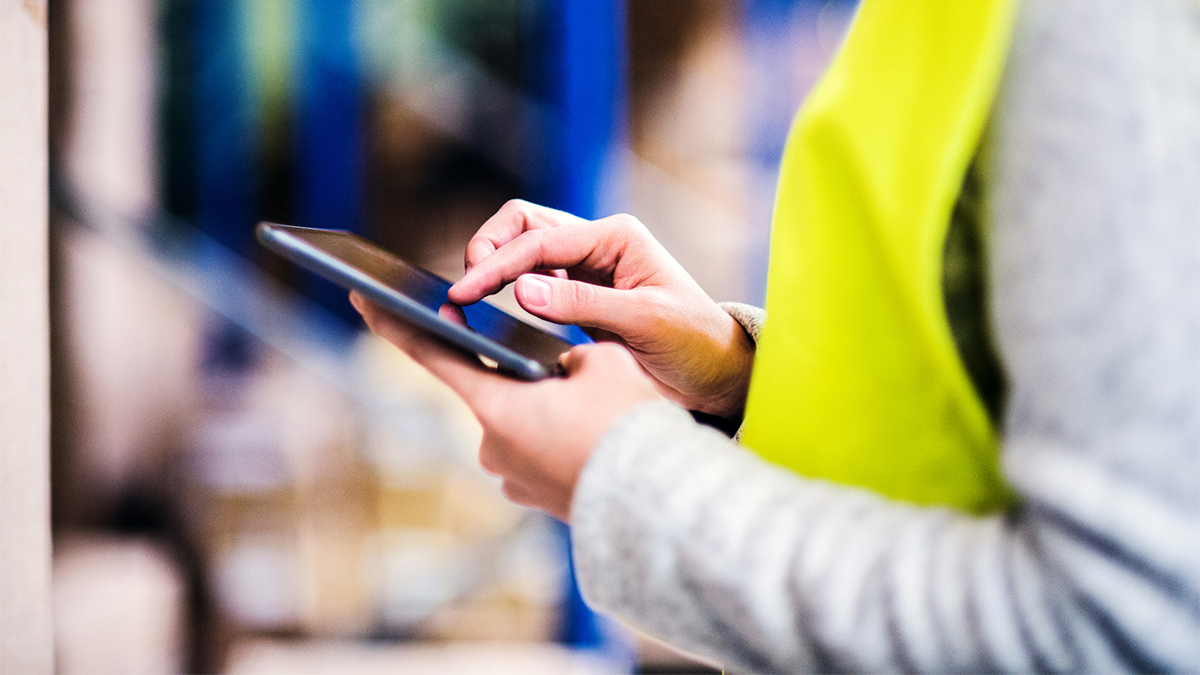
(535, 291)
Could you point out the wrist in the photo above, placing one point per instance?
(733, 364)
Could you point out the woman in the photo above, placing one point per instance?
(1087, 172)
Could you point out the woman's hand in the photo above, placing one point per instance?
(537, 436)
(610, 275)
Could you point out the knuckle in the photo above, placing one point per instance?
(517, 492)
(489, 410)
(511, 491)
(611, 355)
(515, 205)
(580, 298)
(628, 223)
(523, 210)
(538, 241)
(489, 459)
(609, 350)
(478, 249)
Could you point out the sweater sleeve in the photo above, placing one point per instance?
(751, 318)
(698, 542)
(1095, 266)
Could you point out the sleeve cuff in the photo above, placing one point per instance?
(750, 317)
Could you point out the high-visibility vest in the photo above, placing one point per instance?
(857, 379)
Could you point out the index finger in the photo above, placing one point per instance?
(516, 217)
(592, 244)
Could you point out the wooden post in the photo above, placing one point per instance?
(26, 636)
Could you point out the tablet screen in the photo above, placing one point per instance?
(430, 291)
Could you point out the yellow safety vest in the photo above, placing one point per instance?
(857, 379)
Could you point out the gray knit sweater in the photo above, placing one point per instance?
(1091, 188)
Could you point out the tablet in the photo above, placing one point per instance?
(517, 348)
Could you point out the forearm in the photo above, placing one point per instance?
(700, 543)
(704, 545)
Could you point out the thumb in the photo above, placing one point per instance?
(565, 301)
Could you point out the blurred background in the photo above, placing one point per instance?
(244, 480)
